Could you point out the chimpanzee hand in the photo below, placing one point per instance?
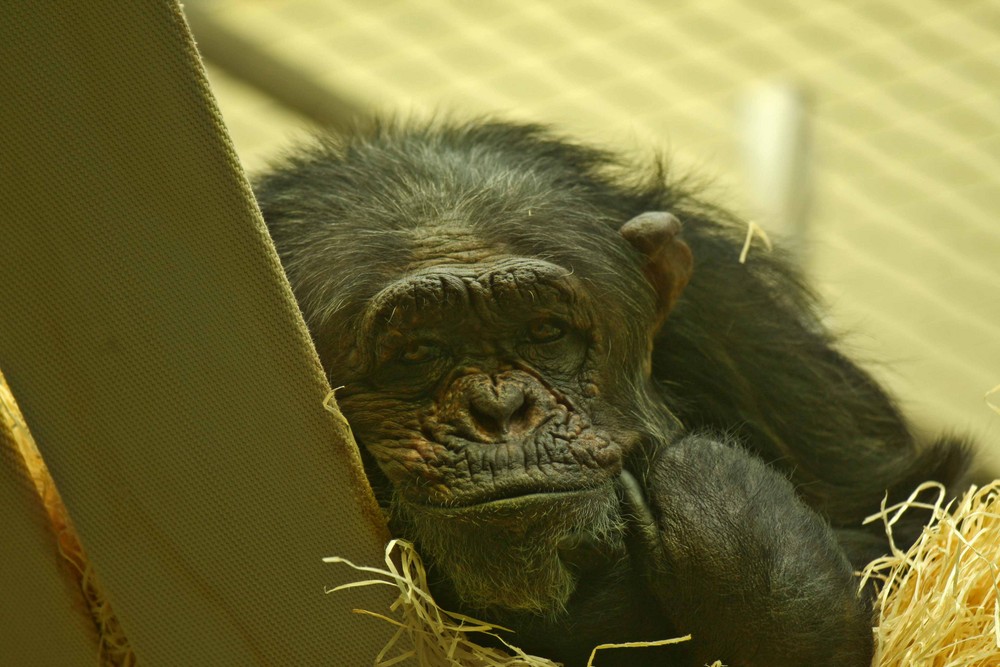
(739, 562)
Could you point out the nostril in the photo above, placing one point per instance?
(521, 416)
(486, 420)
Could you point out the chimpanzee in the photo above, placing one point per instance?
(594, 422)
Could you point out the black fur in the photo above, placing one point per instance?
(706, 476)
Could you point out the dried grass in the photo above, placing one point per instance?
(939, 601)
(992, 399)
(753, 229)
(113, 646)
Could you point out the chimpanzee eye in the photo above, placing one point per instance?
(546, 331)
(420, 352)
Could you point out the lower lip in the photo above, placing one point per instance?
(516, 505)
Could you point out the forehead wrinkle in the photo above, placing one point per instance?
(448, 242)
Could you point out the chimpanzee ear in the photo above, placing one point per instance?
(656, 234)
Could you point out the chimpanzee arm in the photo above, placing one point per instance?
(746, 348)
(738, 561)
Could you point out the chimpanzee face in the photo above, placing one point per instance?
(479, 381)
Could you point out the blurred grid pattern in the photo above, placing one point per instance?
(904, 232)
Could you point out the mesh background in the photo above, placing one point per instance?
(903, 234)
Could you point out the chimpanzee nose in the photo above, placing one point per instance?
(501, 408)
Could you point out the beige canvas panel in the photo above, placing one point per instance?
(43, 617)
(150, 338)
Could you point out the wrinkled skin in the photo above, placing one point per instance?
(596, 425)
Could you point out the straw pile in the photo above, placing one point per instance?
(939, 601)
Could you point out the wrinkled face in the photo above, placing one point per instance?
(500, 401)
(479, 389)
(480, 382)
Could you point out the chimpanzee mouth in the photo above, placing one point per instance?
(519, 495)
(462, 474)
(515, 471)
(519, 500)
